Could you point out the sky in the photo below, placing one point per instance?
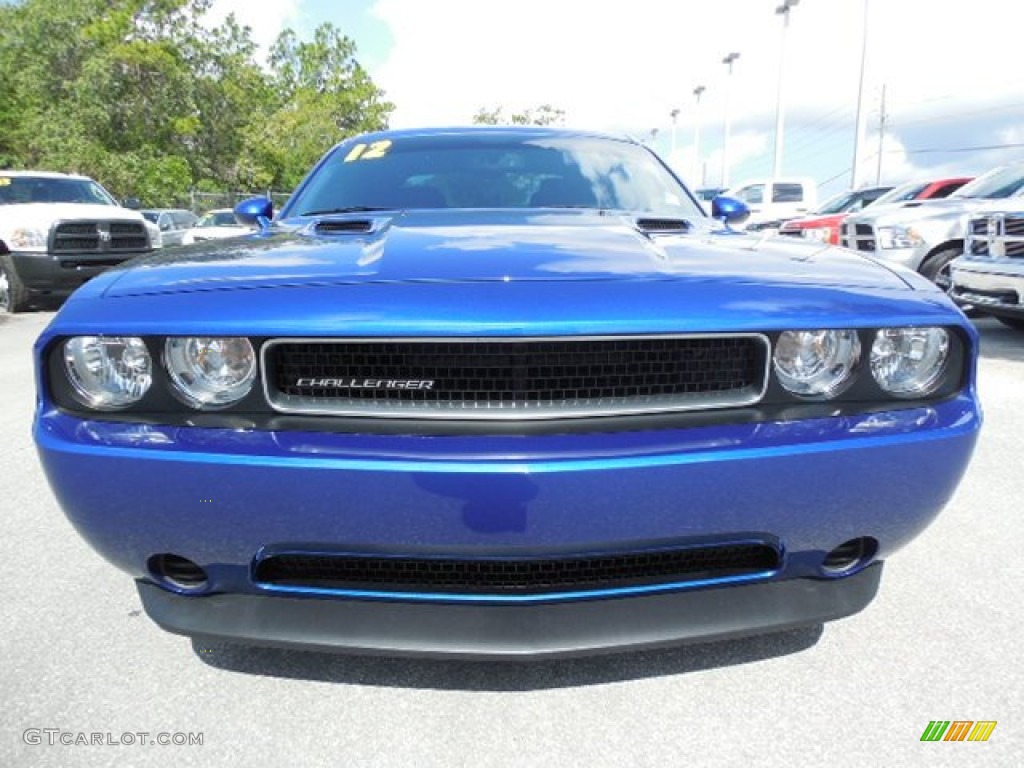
(954, 97)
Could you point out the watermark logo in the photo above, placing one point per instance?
(958, 730)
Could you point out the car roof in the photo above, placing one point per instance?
(521, 131)
(43, 175)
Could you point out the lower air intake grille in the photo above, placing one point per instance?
(515, 379)
(515, 576)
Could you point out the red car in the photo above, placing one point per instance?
(824, 224)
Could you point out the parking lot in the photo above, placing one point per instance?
(937, 644)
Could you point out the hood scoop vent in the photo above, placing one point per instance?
(343, 226)
(662, 225)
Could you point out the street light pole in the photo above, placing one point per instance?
(728, 61)
(696, 134)
(783, 11)
(675, 116)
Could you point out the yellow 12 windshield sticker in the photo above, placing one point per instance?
(5, 181)
(372, 151)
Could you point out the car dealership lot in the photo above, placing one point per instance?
(938, 643)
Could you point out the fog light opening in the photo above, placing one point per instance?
(178, 572)
(850, 556)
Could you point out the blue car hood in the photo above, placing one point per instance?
(489, 246)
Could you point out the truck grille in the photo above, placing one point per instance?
(996, 235)
(859, 237)
(99, 237)
(520, 576)
(514, 378)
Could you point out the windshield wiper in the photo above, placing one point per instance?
(349, 209)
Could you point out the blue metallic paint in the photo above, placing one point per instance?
(226, 497)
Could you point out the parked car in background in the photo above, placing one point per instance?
(215, 225)
(173, 223)
(936, 189)
(56, 232)
(502, 392)
(827, 228)
(823, 225)
(989, 277)
(772, 201)
(926, 235)
(706, 194)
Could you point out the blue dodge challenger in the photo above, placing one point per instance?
(501, 392)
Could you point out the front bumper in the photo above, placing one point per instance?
(510, 631)
(60, 275)
(992, 286)
(226, 499)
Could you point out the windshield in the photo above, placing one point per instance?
(908, 191)
(44, 189)
(837, 204)
(218, 219)
(492, 170)
(997, 184)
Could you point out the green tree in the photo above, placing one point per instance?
(322, 95)
(143, 96)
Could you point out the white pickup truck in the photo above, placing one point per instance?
(926, 235)
(57, 231)
(989, 277)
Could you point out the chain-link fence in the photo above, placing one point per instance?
(201, 202)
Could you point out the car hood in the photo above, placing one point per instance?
(481, 246)
(44, 214)
(916, 210)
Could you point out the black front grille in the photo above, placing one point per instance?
(99, 237)
(529, 378)
(514, 575)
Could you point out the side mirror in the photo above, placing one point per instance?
(255, 212)
(729, 210)
(132, 202)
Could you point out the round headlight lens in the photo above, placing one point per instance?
(108, 372)
(816, 363)
(210, 372)
(909, 362)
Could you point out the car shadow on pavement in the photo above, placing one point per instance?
(999, 341)
(437, 674)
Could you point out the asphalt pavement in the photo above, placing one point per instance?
(80, 658)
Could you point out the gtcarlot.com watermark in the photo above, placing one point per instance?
(53, 737)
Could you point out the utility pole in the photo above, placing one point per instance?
(882, 118)
(861, 129)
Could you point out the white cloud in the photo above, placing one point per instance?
(626, 66)
(266, 24)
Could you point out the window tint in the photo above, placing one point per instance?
(787, 193)
(495, 170)
(42, 189)
(753, 193)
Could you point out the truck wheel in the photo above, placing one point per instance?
(13, 293)
(936, 266)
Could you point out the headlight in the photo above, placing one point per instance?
(821, 234)
(108, 372)
(898, 237)
(156, 238)
(909, 362)
(29, 239)
(210, 372)
(816, 363)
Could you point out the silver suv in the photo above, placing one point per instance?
(926, 235)
(990, 275)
